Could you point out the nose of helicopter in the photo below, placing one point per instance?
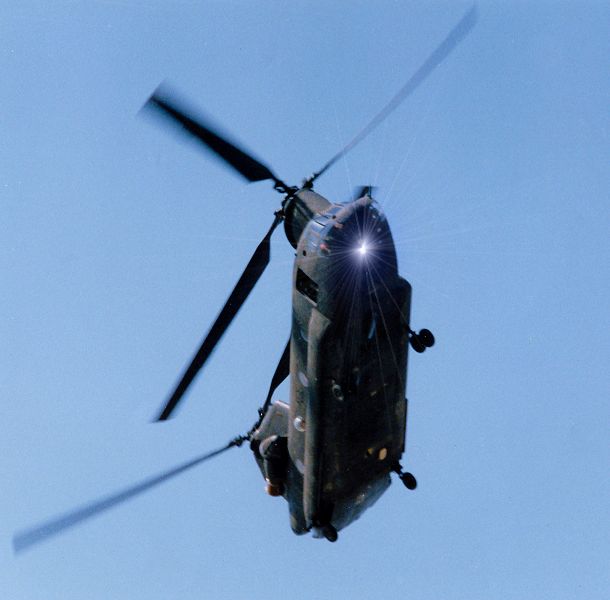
(364, 232)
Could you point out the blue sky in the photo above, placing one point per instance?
(119, 244)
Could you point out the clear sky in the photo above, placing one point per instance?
(119, 244)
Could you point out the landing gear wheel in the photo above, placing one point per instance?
(426, 337)
(330, 533)
(416, 343)
(408, 480)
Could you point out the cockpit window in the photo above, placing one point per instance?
(307, 286)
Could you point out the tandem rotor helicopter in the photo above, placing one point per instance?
(331, 450)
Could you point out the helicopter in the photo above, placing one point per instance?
(331, 450)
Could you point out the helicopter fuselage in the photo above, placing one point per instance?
(346, 421)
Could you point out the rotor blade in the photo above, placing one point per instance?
(243, 163)
(247, 281)
(281, 372)
(456, 35)
(29, 537)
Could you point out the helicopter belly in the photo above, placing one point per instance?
(348, 409)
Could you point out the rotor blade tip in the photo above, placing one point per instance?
(156, 98)
(472, 15)
(163, 416)
(17, 545)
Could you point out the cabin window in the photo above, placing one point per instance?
(303, 379)
(307, 286)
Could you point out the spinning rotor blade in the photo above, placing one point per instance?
(456, 35)
(29, 537)
(281, 372)
(243, 163)
(247, 281)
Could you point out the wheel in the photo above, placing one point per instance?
(409, 481)
(330, 533)
(425, 335)
(417, 344)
